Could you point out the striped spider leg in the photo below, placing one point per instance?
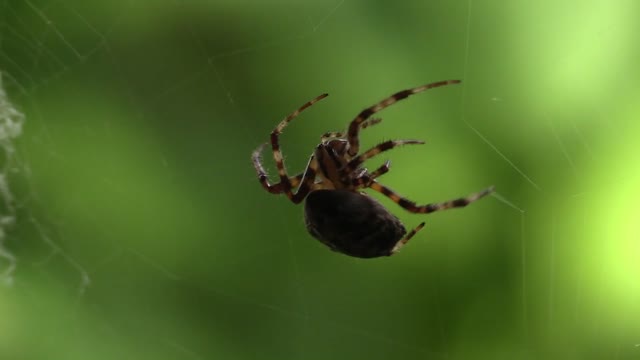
(287, 183)
(337, 212)
(354, 127)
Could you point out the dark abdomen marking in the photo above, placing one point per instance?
(352, 223)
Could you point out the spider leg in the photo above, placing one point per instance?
(306, 180)
(364, 181)
(428, 208)
(262, 174)
(354, 127)
(275, 145)
(383, 169)
(382, 147)
(336, 134)
(295, 180)
(306, 183)
(402, 242)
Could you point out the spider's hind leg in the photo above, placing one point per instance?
(402, 242)
(428, 208)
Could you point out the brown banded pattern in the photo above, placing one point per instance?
(366, 179)
(354, 127)
(337, 212)
(263, 177)
(275, 145)
(382, 147)
(337, 134)
(406, 239)
(428, 208)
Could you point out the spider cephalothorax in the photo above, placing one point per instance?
(337, 212)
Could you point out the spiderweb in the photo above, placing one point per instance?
(131, 224)
(10, 127)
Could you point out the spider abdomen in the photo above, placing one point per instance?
(352, 223)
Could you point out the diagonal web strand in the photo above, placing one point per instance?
(503, 156)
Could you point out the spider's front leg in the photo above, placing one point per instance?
(354, 127)
(286, 183)
(337, 134)
(275, 144)
(264, 179)
(306, 183)
(305, 180)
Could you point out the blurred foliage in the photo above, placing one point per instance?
(142, 233)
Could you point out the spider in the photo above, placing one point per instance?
(337, 212)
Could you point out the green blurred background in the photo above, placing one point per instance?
(141, 232)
